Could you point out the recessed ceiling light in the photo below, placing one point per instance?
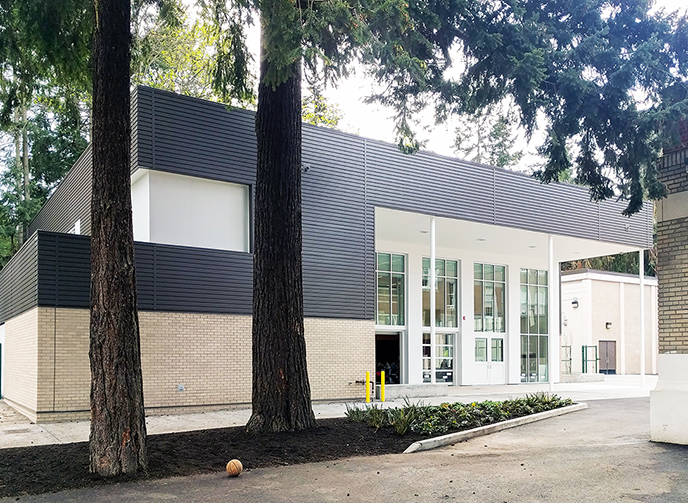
(481, 239)
(423, 232)
(532, 246)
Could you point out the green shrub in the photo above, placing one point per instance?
(438, 420)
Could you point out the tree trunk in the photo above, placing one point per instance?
(281, 391)
(118, 427)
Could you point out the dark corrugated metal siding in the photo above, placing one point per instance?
(347, 177)
(169, 278)
(70, 202)
(18, 281)
(334, 226)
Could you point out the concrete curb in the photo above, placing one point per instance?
(452, 438)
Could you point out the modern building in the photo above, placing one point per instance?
(600, 324)
(379, 229)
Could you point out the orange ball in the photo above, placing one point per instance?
(234, 468)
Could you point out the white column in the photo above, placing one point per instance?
(622, 328)
(641, 266)
(655, 341)
(553, 328)
(433, 286)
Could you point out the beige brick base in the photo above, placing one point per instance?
(48, 374)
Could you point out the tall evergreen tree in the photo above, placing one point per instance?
(118, 422)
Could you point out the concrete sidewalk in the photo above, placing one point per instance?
(602, 454)
(17, 431)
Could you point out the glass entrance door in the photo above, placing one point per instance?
(489, 360)
(443, 366)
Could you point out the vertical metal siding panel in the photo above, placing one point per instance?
(144, 129)
(70, 202)
(523, 202)
(18, 281)
(201, 138)
(334, 230)
(616, 228)
(429, 183)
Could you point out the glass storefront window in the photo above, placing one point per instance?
(446, 292)
(489, 298)
(390, 288)
(444, 358)
(534, 325)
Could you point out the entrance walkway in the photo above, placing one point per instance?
(17, 431)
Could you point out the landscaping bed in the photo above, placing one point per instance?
(368, 431)
(431, 421)
(52, 468)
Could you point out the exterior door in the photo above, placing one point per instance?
(607, 357)
(489, 360)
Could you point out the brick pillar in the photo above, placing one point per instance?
(669, 401)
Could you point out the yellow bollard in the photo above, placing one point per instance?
(382, 386)
(367, 387)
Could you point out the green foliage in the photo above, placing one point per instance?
(438, 420)
(487, 137)
(317, 111)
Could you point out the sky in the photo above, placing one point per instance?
(375, 121)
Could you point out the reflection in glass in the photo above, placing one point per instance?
(480, 349)
(542, 278)
(500, 321)
(397, 263)
(397, 299)
(524, 358)
(542, 309)
(451, 302)
(499, 272)
(542, 366)
(489, 272)
(524, 309)
(426, 266)
(477, 271)
(524, 276)
(497, 350)
(478, 306)
(452, 269)
(532, 310)
(533, 358)
(489, 306)
(532, 276)
(439, 303)
(383, 299)
(383, 262)
(439, 267)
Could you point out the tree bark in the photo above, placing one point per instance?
(281, 391)
(118, 427)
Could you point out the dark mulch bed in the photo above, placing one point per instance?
(51, 468)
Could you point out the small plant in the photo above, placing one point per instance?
(353, 413)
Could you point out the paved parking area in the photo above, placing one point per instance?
(602, 454)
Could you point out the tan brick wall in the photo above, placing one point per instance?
(672, 257)
(209, 354)
(672, 271)
(21, 360)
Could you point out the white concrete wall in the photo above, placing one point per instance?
(140, 202)
(466, 369)
(611, 298)
(669, 400)
(189, 211)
